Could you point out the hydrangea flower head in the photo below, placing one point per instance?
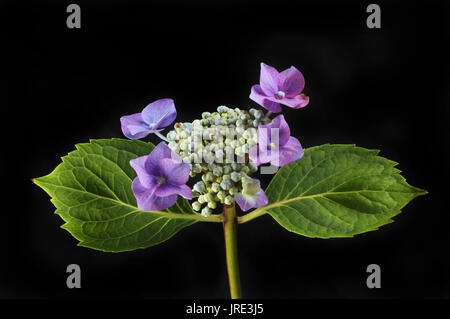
(275, 144)
(252, 196)
(279, 88)
(153, 118)
(161, 177)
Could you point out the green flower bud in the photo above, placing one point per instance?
(177, 127)
(239, 152)
(197, 168)
(206, 212)
(215, 187)
(227, 169)
(199, 187)
(235, 176)
(222, 109)
(196, 206)
(172, 135)
(173, 146)
(201, 199)
(228, 200)
(253, 168)
(208, 197)
(212, 205)
(221, 195)
(233, 190)
(245, 169)
(205, 115)
(209, 177)
(218, 171)
(258, 114)
(184, 134)
(225, 184)
(236, 166)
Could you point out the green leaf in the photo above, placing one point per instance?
(337, 191)
(91, 190)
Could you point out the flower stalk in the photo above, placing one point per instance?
(230, 234)
(162, 137)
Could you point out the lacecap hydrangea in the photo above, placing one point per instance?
(220, 152)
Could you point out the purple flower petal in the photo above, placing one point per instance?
(176, 173)
(289, 152)
(168, 189)
(160, 152)
(279, 88)
(159, 114)
(261, 199)
(265, 132)
(296, 102)
(147, 199)
(244, 202)
(268, 80)
(257, 95)
(292, 82)
(134, 127)
(279, 153)
(145, 178)
(161, 177)
(253, 199)
(253, 155)
(260, 155)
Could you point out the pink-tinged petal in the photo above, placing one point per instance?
(176, 173)
(161, 151)
(257, 95)
(134, 127)
(297, 102)
(145, 178)
(159, 114)
(168, 189)
(269, 79)
(290, 152)
(147, 200)
(292, 82)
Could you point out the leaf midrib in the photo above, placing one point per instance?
(298, 198)
(164, 214)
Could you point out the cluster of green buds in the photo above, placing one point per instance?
(216, 147)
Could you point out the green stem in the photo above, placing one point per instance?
(252, 215)
(230, 232)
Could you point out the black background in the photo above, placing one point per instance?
(385, 89)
